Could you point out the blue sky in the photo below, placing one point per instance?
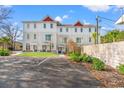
(67, 14)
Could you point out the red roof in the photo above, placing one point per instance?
(48, 19)
(67, 25)
(78, 24)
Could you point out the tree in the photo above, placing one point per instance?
(13, 32)
(94, 36)
(72, 47)
(5, 41)
(4, 14)
(113, 36)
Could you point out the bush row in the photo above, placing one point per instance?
(97, 64)
(4, 52)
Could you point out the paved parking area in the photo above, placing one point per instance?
(23, 72)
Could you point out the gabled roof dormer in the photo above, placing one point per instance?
(48, 19)
(78, 23)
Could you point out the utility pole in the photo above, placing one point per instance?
(97, 29)
(122, 13)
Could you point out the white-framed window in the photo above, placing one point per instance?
(75, 29)
(28, 25)
(81, 29)
(48, 37)
(78, 40)
(44, 25)
(89, 29)
(27, 36)
(60, 29)
(51, 25)
(27, 46)
(35, 36)
(34, 25)
(64, 40)
(66, 29)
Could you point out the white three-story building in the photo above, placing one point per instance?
(50, 35)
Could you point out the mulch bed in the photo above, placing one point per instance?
(109, 78)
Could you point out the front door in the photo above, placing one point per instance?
(44, 48)
(60, 50)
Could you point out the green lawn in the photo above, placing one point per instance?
(38, 54)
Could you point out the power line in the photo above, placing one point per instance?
(107, 19)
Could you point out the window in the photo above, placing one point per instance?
(51, 25)
(89, 29)
(66, 29)
(34, 36)
(60, 29)
(27, 47)
(28, 25)
(44, 25)
(27, 36)
(78, 40)
(35, 47)
(48, 37)
(89, 39)
(34, 25)
(81, 29)
(65, 40)
(75, 29)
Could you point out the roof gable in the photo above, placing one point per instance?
(48, 19)
(78, 23)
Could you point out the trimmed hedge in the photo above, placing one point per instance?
(4, 52)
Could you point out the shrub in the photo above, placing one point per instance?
(86, 58)
(75, 57)
(98, 64)
(4, 52)
(120, 68)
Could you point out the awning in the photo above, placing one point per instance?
(120, 20)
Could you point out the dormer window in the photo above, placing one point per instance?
(51, 25)
(81, 29)
(75, 29)
(44, 25)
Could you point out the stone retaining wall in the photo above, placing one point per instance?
(111, 53)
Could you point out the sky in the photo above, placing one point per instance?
(68, 14)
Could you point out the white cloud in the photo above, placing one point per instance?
(84, 21)
(98, 8)
(58, 18)
(120, 6)
(65, 17)
(7, 6)
(103, 28)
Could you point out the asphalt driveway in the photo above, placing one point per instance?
(23, 72)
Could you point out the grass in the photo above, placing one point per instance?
(38, 54)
